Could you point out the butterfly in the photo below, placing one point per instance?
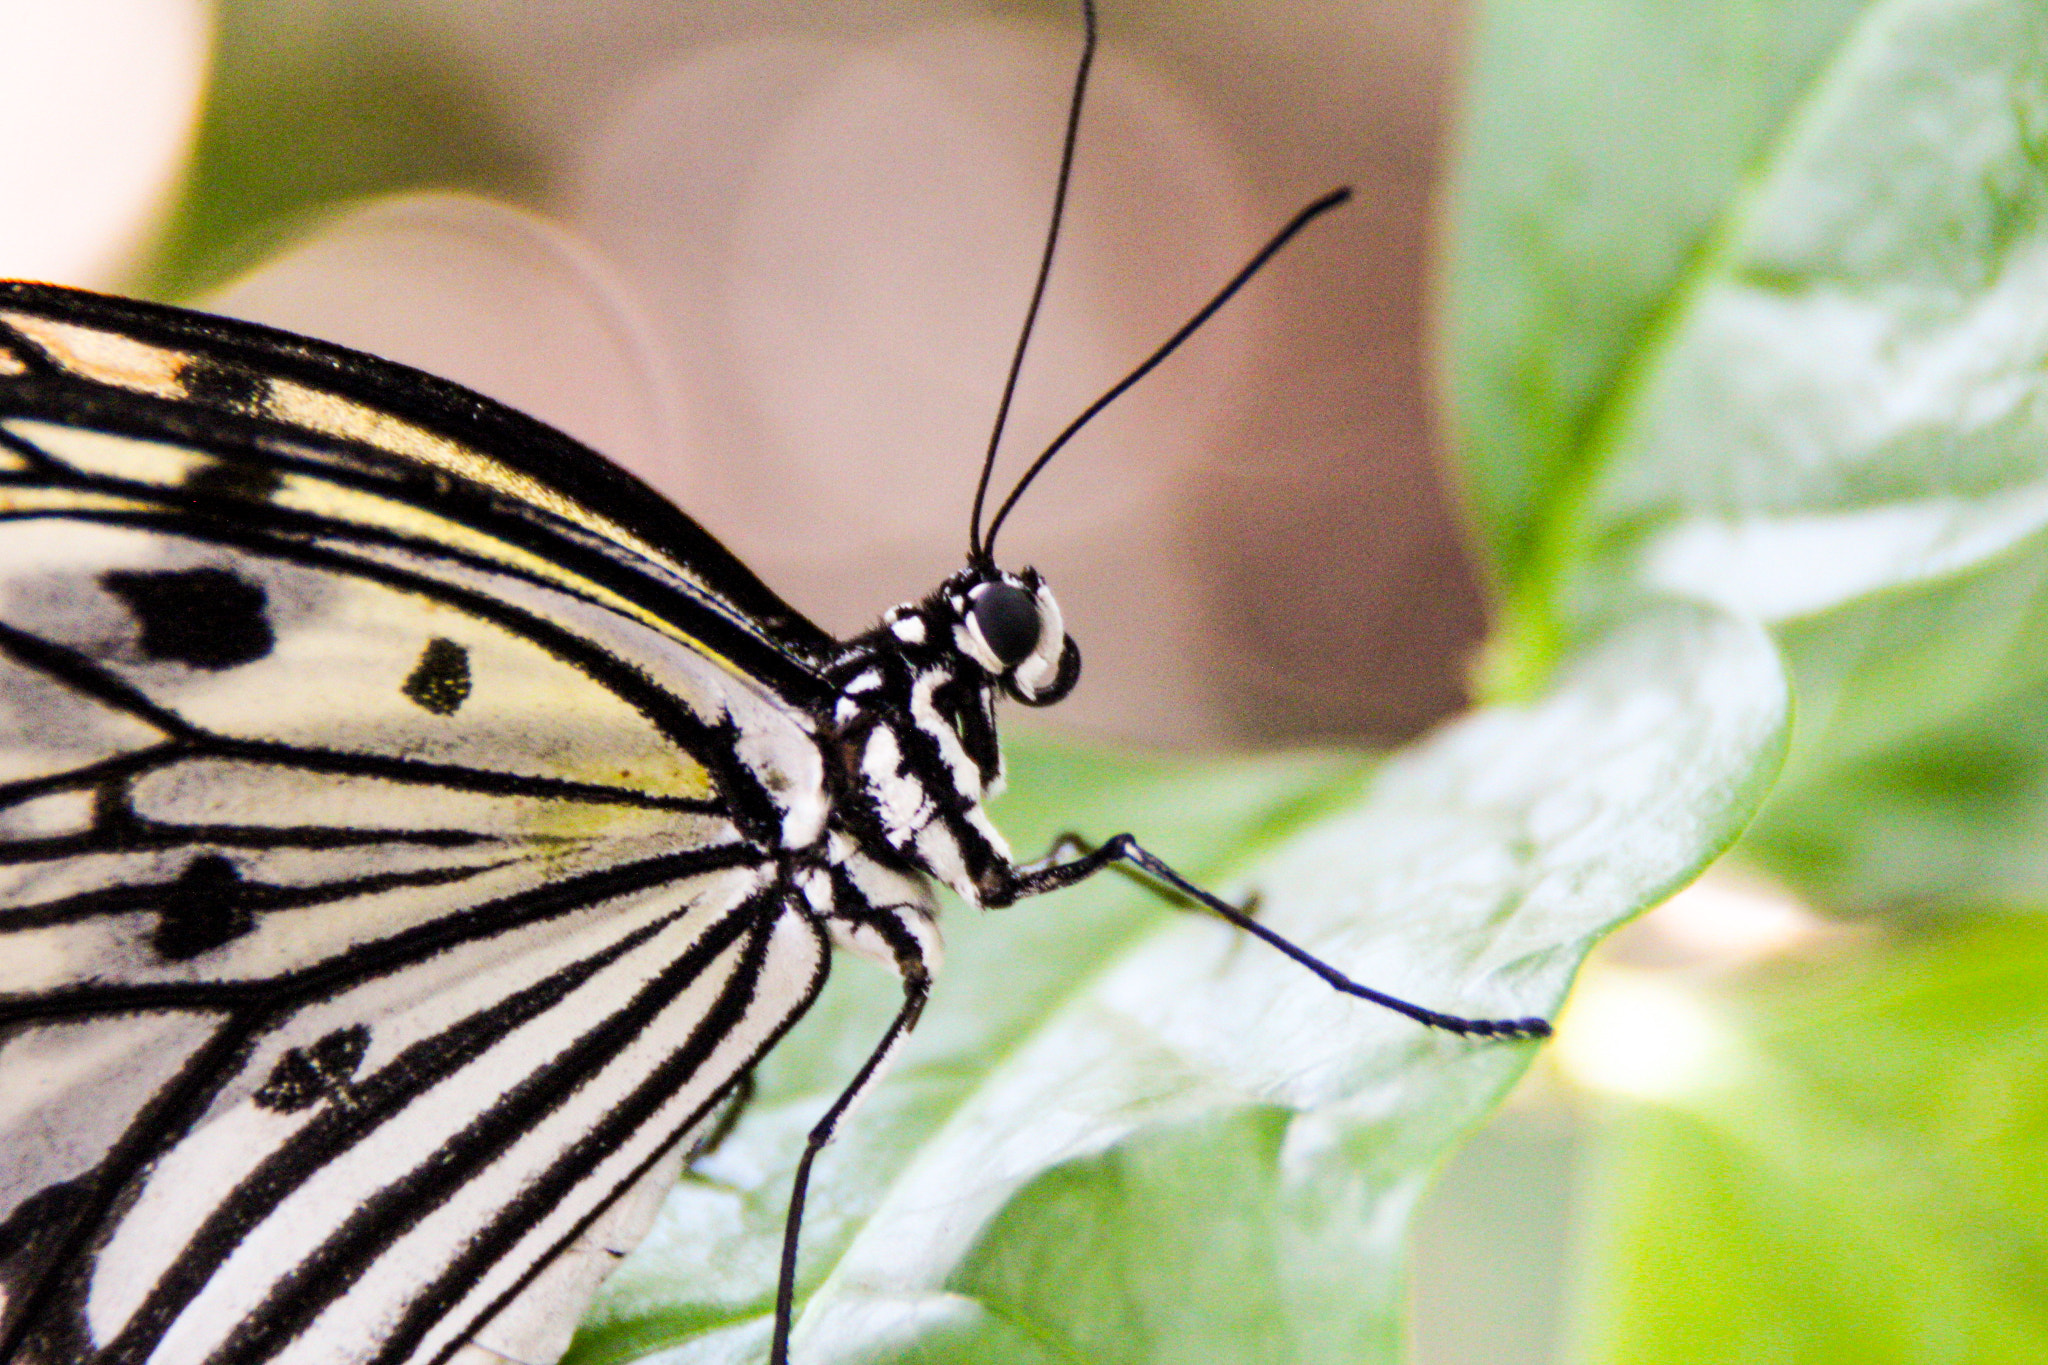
(414, 830)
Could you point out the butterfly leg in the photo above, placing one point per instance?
(1057, 870)
(916, 987)
(734, 1105)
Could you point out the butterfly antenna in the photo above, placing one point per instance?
(1238, 281)
(976, 548)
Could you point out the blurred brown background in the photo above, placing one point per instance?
(1257, 546)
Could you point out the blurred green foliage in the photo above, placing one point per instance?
(1603, 143)
(1867, 1187)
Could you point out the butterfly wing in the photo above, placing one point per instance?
(385, 849)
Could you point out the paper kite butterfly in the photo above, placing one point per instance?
(413, 830)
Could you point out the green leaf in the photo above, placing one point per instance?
(1848, 396)
(1864, 1182)
(1828, 417)
(1744, 302)
(1603, 142)
(1919, 767)
(1125, 1133)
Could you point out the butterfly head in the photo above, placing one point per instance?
(1008, 625)
(916, 710)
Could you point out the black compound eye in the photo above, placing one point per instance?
(1007, 617)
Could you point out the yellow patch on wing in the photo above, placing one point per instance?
(333, 415)
(167, 465)
(106, 357)
(18, 501)
(113, 457)
(335, 502)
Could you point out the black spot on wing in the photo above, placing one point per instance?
(205, 618)
(220, 384)
(225, 478)
(34, 1241)
(207, 906)
(304, 1076)
(439, 682)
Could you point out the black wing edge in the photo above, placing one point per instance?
(463, 415)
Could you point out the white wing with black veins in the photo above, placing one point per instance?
(384, 890)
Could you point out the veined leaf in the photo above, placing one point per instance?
(1776, 343)
(1603, 143)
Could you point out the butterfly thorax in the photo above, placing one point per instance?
(913, 732)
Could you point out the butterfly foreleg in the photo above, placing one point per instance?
(724, 1120)
(916, 988)
(1071, 860)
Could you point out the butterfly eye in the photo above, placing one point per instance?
(1007, 619)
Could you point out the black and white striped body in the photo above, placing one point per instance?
(915, 728)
